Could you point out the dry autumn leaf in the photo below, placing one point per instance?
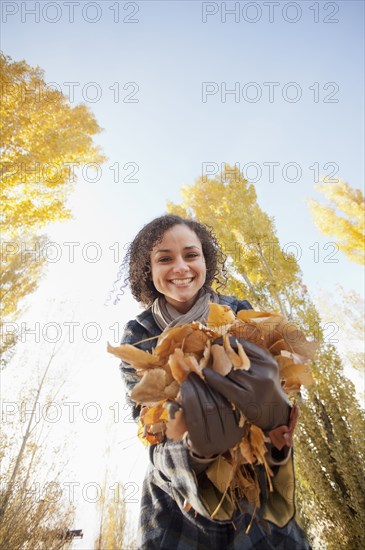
(206, 356)
(151, 388)
(221, 362)
(233, 356)
(278, 346)
(138, 358)
(296, 375)
(247, 314)
(179, 369)
(170, 339)
(248, 486)
(253, 446)
(195, 342)
(155, 414)
(219, 315)
(247, 331)
(172, 390)
(182, 365)
(245, 361)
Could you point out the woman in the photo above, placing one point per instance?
(172, 264)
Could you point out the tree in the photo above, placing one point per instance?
(114, 529)
(32, 514)
(19, 277)
(330, 449)
(344, 320)
(343, 218)
(43, 141)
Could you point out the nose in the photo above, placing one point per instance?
(180, 265)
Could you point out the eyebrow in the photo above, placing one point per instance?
(164, 250)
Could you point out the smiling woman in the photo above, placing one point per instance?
(178, 267)
(171, 265)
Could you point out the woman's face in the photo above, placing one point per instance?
(178, 267)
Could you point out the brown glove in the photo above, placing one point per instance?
(212, 423)
(257, 392)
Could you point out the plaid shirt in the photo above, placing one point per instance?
(171, 483)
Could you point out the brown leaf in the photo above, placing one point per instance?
(268, 328)
(206, 356)
(221, 362)
(172, 390)
(151, 388)
(248, 314)
(233, 356)
(296, 341)
(193, 365)
(137, 358)
(278, 346)
(247, 451)
(195, 342)
(257, 439)
(246, 331)
(252, 446)
(179, 367)
(170, 339)
(244, 359)
(296, 375)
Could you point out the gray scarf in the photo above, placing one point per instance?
(166, 315)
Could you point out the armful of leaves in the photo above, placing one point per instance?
(196, 348)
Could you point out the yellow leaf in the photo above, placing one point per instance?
(155, 414)
(219, 315)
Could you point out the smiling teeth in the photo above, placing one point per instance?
(181, 281)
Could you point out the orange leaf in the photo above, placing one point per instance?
(179, 368)
(219, 315)
(221, 362)
(170, 339)
(233, 356)
(151, 388)
(248, 314)
(155, 414)
(195, 342)
(137, 358)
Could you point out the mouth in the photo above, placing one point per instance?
(181, 282)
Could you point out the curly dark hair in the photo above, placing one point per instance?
(137, 267)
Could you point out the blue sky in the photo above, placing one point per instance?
(169, 132)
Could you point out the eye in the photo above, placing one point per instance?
(164, 259)
(192, 255)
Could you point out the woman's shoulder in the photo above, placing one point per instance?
(140, 328)
(234, 302)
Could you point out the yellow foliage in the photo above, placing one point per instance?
(228, 203)
(343, 219)
(43, 142)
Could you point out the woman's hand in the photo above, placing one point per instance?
(213, 424)
(257, 392)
